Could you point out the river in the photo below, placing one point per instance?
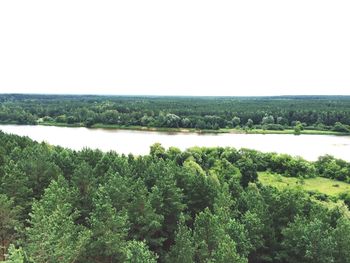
(309, 147)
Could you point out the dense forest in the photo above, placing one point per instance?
(198, 205)
(204, 113)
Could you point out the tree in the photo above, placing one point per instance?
(15, 184)
(183, 249)
(226, 252)
(258, 227)
(145, 223)
(339, 127)
(52, 235)
(38, 167)
(341, 235)
(225, 208)
(200, 191)
(138, 252)
(281, 121)
(298, 128)
(89, 122)
(85, 182)
(250, 123)
(268, 119)
(167, 199)
(248, 171)
(308, 241)
(236, 121)
(212, 243)
(109, 230)
(157, 150)
(172, 120)
(185, 122)
(15, 255)
(9, 223)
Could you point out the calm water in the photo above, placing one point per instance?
(138, 142)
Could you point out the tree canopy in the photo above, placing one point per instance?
(197, 205)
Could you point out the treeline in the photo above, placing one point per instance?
(270, 113)
(198, 205)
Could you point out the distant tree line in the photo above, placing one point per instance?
(198, 205)
(270, 113)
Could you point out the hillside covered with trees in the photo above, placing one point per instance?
(322, 113)
(198, 205)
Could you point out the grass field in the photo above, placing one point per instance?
(318, 184)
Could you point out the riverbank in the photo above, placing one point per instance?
(185, 130)
(138, 142)
(193, 130)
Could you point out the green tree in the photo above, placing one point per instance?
(268, 119)
(308, 241)
(341, 235)
(236, 121)
(212, 243)
(298, 128)
(138, 252)
(157, 150)
(16, 185)
(183, 249)
(339, 127)
(84, 180)
(167, 199)
(248, 171)
(9, 223)
(172, 120)
(226, 252)
(250, 123)
(225, 208)
(145, 223)
(52, 235)
(109, 230)
(15, 255)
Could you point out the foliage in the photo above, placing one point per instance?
(15, 255)
(9, 223)
(138, 252)
(53, 236)
(199, 205)
(210, 113)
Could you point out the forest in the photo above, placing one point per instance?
(198, 205)
(321, 113)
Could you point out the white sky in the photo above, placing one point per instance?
(179, 47)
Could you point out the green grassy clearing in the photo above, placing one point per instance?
(318, 184)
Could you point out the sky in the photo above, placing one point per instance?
(182, 47)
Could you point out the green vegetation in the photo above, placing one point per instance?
(185, 130)
(317, 184)
(198, 205)
(285, 114)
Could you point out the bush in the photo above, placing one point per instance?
(274, 127)
(339, 127)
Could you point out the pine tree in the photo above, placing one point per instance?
(53, 236)
(109, 229)
(138, 252)
(167, 199)
(183, 249)
(145, 222)
(9, 223)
